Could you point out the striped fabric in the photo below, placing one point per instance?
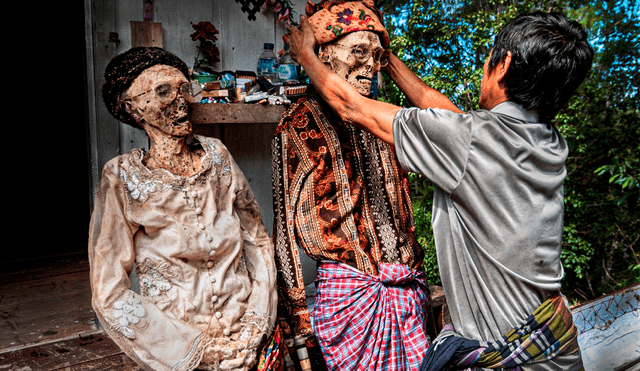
(545, 334)
(365, 322)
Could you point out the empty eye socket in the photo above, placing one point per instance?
(363, 55)
(359, 53)
(191, 91)
(383, 57)
(164, 91)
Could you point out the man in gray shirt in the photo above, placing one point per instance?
(498, 203)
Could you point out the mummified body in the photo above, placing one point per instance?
(185, 215)
(341, 197)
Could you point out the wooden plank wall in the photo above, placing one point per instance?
(240, 42)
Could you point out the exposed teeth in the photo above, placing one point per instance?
(180, 121)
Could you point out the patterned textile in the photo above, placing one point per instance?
(339, 195)
(272, 355)
(547, 333)
(366, 322)
(331, 19)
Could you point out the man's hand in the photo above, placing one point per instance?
(301, 39)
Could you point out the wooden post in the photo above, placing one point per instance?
(146, 34)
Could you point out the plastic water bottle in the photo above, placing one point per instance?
(268, 63)
(288, 68)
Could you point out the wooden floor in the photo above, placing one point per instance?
(48, 323)
(47, 320)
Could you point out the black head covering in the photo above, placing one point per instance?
(126, 67)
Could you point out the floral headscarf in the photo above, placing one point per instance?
(331, 19)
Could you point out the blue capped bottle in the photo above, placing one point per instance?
(287, 68)
(268, 63)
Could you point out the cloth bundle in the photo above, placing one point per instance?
(548, 332)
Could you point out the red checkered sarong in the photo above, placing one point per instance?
(365, 322)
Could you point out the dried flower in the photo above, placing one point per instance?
(282, 9)
(205, 32)
(284, 16)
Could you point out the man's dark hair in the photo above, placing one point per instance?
(124, 68)
(550, 58)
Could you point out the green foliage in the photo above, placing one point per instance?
(447, 42)
(422, 196)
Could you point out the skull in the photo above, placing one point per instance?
(355, 57)
(155, 102)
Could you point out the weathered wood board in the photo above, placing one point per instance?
(609, 331)
(146, 34)
(89, 351)
(236, 113)
(46, 302)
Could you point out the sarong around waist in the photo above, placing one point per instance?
(365, 322)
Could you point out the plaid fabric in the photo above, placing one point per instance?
(547, 333)
(365, 322)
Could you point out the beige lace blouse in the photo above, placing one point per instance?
(203, 258)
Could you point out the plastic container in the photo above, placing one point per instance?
(268, 63)
(287, 68)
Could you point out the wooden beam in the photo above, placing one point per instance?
(236, 113)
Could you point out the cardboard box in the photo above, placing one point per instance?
(215, 93)
(212, 85)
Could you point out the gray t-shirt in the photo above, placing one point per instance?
(497, 211)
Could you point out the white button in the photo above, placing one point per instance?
(212, 279)
(198, 210)
(192, 180)
(218, 315)
(194, 194)
(209, 264)
(209, 238)
(214, 298)
(226, 332)
(200, 225)
(212, 252)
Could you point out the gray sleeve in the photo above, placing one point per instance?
(434, 143)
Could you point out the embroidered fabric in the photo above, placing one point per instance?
(203, 257)
(154, 276)
(339, 195)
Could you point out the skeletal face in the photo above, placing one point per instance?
(155, 102)
(355, 57)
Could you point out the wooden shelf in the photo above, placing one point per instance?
(236, 113)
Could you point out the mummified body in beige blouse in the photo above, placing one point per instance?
(192, 228)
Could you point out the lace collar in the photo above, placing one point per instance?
(140, 180)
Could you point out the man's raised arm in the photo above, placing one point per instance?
(419, 94)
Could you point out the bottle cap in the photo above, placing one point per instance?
(268, 45)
